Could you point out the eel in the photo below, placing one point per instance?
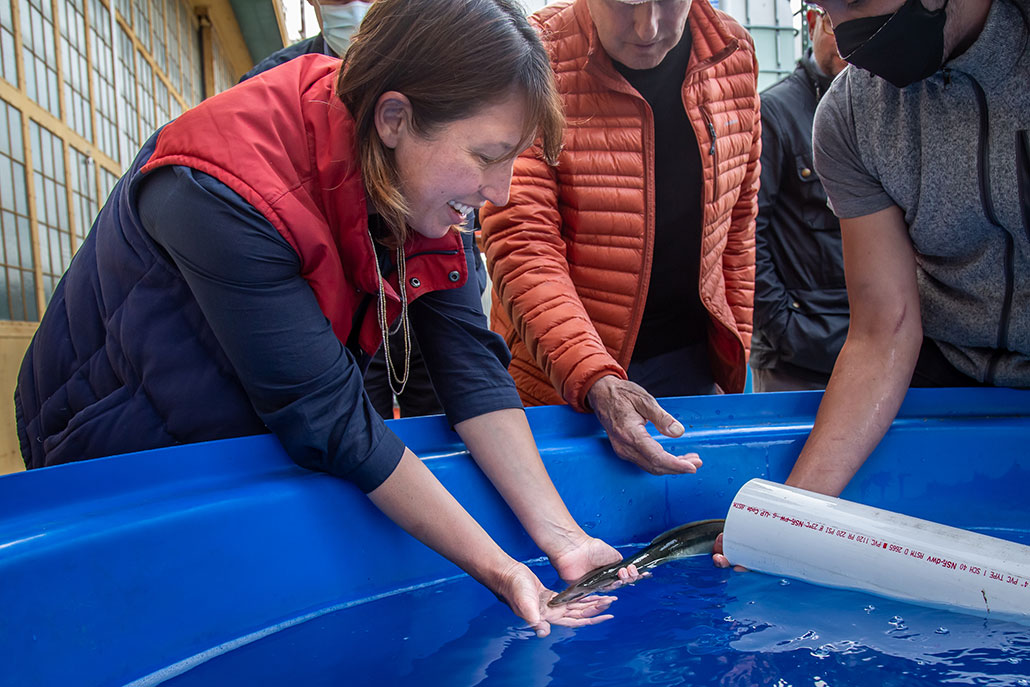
(691, 539)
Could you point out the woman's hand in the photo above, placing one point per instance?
(582, 557)
(592, 553)
(527, 598)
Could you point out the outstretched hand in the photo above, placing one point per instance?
(528, 598)
(582, 557)
(624, 409)
(588, 555)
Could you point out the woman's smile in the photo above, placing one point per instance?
(457, 168)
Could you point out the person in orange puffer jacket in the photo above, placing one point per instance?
(627, 271)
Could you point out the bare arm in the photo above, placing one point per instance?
(875, 366)
(413, 498)
(504, 448)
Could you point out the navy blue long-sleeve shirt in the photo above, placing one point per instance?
(305, 384)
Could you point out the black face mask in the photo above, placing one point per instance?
(903, 47)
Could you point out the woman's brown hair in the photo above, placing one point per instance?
(450, 58)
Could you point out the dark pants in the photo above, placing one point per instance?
(683, 372)
(773, 379)
(418, 397)
(932, 371)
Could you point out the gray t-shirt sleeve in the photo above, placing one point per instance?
(852, 188)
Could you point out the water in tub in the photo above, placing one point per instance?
(689, 624)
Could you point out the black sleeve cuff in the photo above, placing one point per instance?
(483, 402)
(380, 463)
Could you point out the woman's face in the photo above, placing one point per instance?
(459, 166)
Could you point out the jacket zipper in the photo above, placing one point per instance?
(1023, 176)
(983, 169)
(640, 302)
(712, 151)
(431, 252)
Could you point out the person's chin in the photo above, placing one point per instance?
(436, 232)
(644, 57)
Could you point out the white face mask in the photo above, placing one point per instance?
(340, 22)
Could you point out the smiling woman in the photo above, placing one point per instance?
(263, 246)
(437, 77)
(448, 174)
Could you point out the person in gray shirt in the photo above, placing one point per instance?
(923, 149)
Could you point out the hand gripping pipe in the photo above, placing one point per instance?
(780, 530)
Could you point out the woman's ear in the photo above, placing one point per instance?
(392, 117)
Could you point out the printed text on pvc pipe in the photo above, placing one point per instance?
(977, 570)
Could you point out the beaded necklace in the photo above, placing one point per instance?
(384, 325)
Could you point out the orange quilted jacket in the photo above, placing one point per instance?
(570, 255)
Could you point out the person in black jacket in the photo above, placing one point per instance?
(801, 304)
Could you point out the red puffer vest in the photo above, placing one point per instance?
(570, 255)
(285, 143)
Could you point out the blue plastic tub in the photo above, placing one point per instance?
(138, 569)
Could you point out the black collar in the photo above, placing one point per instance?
(820, 82)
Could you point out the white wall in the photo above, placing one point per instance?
(773, 29)
(533, 5)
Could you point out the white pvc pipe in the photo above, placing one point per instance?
(790, 532)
